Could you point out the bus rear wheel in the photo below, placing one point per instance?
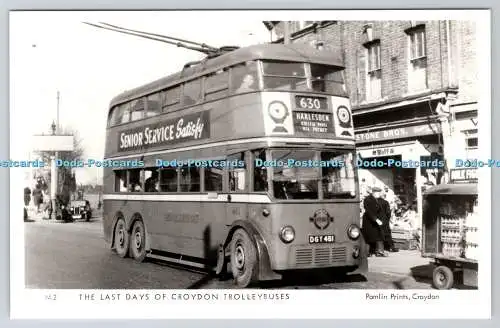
(121, 239)
(138, 241)
(243, 259)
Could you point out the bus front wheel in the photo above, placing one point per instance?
(243, 259)
(121, 242)
(138, 242)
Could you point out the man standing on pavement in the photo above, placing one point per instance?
(372, 223)
(386, 220)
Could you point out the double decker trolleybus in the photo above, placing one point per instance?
(243, 162)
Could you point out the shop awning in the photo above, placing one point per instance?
(453, 189)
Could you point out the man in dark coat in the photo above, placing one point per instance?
(372, 223)
(386, 220)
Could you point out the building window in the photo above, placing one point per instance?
(417, 77)
(374, 71)
(471, 143)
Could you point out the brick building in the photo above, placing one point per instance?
(412, 86)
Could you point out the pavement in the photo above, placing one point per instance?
(74, 255)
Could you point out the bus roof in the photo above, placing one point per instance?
(290, 52)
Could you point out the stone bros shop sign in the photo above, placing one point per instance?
(188, 127)
(399, 133)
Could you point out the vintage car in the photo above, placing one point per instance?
(80, 209)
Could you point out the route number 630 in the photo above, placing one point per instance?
(310, 103)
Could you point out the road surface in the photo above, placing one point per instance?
(74, 256)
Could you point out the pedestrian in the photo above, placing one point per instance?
(37, 197)
(372, 223)
(386, 219)
(27, 196)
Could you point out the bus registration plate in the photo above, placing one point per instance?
(324, 239)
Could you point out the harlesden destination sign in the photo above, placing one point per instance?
(185, 128)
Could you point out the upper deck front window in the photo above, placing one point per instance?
(328, 79)
(285, 76)
(245, 77)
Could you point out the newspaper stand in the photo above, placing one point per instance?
(450, 230)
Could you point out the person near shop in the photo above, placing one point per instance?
(38, 197)
(372, 223)
(386, 226)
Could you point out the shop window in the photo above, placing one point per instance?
(168, 180)
(190, 179)
(417, 77)
(374, 71)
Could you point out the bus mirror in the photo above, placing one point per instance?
(212, 195)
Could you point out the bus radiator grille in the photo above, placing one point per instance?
(320, 256)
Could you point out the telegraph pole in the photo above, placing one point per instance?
(286, 32)
(54, 172)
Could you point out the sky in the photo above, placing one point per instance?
(55, 51)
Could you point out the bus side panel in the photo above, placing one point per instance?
(188, 228)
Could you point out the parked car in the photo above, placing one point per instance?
(80, 209)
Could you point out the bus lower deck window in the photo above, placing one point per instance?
(190, 179)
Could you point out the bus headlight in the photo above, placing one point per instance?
(353, 232)
(287, 234)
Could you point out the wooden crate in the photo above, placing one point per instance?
(405, 244)
(401, 234)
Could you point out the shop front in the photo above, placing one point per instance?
(405, 160)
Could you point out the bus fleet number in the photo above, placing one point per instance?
(310, 103)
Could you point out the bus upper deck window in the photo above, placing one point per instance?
(137, 109)
(285, 76)
(124, 113)
(153, 105)
(114, 117)
(328, 79)
(245, 77)
(191, 93)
